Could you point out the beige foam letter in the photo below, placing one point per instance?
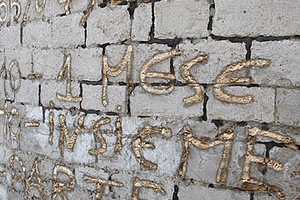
(189, 139)
(249, 183)
(58, 188)
(224, 79)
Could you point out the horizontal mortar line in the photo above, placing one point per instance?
(226, 187)
(166, 118)
(87, 82)
(109, 83)
(286, 87)
(256, 123)
(101, 113)
(260, 38)
(48, 20)
(123, 3)
(276, 144)
(112, 113)
(169, 41)
(90, 111)
(184, 84)
(178, 83)
(164, 41)
(54, 108)
(238, 122)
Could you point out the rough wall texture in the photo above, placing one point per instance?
(170, 99)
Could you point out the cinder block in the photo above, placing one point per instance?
(23, 56)
(143, 103)
(288, 178)
(2, 56)
(220, 54)
(67, 31)
(167, 183)
(263, 196)
(124, 192)
(7, 91)
(92, 98)
(236, 18)
(80, 172)
(16, 195)
(114, 54)
(56, 32)
(142, 22)
(80, 6)
(10, 36)
(48, 63)
(7, 140)
(46, 166)
(39, 141)
(167, 165)
(32, 14)
(5, 155)
(144, 52)
(203, 165)
(236, 164)
(132, 125)
(260, 109)
(38, 34)
(140, 55)
(33, 112)
(50, 88)
(28, 92)
(189, 20)
(196, 191)
(78, 193)
(119, 25)
(2, 94)
(80, 153)
(288, 107)
(3, 191)
(86, 64)
(284, 69)
(126, 161)
(53, 8)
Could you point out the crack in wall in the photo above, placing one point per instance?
(175, 193)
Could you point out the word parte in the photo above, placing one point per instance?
(60, 188)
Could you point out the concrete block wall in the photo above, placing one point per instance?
(91, 90)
